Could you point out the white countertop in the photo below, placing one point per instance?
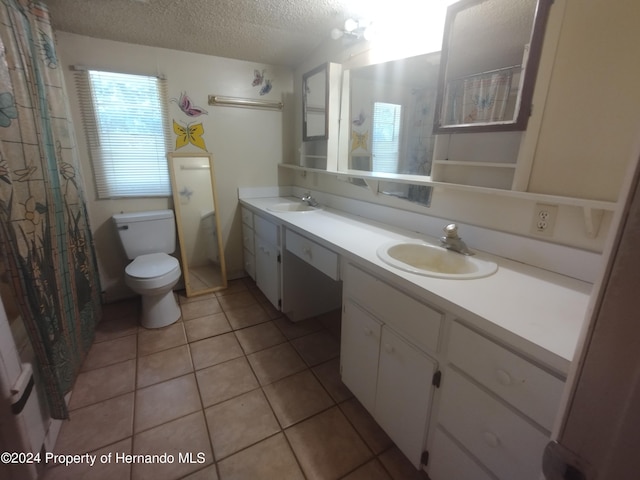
(539, 313)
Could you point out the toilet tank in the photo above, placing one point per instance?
(146, 232)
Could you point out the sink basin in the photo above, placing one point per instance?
(292, 207)
(430, 260)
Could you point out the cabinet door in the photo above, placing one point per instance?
(268, 270)
(404, 393)
(359, 347)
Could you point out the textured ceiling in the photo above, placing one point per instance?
(275, 32)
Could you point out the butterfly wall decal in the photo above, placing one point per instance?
(266, 88)
(359, 140)
(191, 134)
(359, 120)
(258, 78)
(184, 102)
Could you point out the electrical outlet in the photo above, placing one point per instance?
(544, 219)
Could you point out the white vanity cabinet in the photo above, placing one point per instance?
(248, 244)
(267, 259)
(383, 359)
(496, 411)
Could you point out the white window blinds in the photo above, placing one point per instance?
(385, 139)
(125, 119)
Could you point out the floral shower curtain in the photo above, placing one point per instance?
(44, 232)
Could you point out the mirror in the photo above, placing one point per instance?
(490, 56)
(198, 222)
(315, 103)
(391, 112)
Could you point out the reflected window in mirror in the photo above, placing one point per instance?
(490, 56)
(391, 116)
(198, 220)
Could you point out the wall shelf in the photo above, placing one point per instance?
(592, 209)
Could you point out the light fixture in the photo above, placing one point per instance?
(353, 30)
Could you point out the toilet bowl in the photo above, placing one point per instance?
(153, 276)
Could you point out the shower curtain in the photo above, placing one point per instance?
(44, 234)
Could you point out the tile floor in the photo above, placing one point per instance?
(249, 394)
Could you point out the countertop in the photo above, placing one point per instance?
(539, 313)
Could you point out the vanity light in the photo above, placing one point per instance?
(353, 29)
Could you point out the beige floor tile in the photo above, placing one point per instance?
(275, 363)
(233, 286)
(182, 297)
(200, 308)
(102, 383)
(247, 316)
(158, 339)
(327, 446)
(186, 435)
(270, 459)
(400, 467)
(317, 348)
(207, 326)
(232, 301)
(225, 380)
(214, 350)
(259, 337)
(329, 375)
(108, 470)
(161, 366)
(372, 470)
(207, 473)
(118, 320)
(293, 330)
(110, 352)
(240, 422)
(97, 425)
(166, 401)
(297, 397)
(373, 435)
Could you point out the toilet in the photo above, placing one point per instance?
(148, 238)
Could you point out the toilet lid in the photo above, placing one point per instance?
(152, 265)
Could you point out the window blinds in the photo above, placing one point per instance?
(125, 120)
(385, 140)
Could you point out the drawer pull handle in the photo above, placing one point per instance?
(388, 348)
(491, 439)
(307, 251)
(504, 378)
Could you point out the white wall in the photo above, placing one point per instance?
(246, 144)
(589, 123)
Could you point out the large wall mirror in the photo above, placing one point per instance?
(198, 221)
(490, 56)
(315, 98)
(391, 112)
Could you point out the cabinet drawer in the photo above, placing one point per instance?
(247, 238)
(266, 230)
(530, 389)
(316, 255)
(417, 321)
(247, 216)
(447, 461)
(508, 445)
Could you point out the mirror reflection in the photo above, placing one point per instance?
(391, 117)
(198, 221)
(314, 104)
(489, 63)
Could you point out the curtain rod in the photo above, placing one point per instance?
(223, 101)
(194, 167)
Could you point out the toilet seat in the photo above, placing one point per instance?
(151, 271)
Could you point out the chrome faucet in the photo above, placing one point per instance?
(309, 200)
(451, 240)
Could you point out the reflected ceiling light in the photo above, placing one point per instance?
(353, 30)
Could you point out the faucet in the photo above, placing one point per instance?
(451, 241)
(309, 200)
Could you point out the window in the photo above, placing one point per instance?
(385, 140)
(126, 124)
